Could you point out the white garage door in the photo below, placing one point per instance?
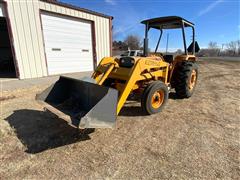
(68, 44)
(1, 10)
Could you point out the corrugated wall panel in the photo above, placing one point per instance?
(37, 39)
(16, 42)
(98, 40)
(28, 41)
(24, 58)
(28, 45)
(27, 34)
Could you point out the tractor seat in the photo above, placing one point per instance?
(168, 58)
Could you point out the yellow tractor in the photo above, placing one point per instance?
(95, 102)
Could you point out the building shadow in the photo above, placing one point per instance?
(41, 130)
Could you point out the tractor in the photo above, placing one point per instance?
(96, 101)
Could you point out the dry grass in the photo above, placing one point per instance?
(191, 138)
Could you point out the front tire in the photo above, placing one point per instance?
(154, 97)
(186, 79)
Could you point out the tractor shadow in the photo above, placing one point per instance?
(173, 95)
(135, 109)
(41, 130)
(132, 111)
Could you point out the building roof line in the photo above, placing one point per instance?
(77, 8)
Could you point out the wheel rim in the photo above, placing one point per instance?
(193, 79)
(157, 99)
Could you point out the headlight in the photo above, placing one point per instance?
(127, 62)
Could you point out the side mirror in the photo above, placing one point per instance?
(190, 48)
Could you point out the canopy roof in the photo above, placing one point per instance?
(167, 22)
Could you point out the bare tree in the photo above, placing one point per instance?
(119, 45)
(213, 49)
(238, 47)
(133, 42)
(212, 45)
(232, 48)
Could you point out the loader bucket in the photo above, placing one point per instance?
(83, 104)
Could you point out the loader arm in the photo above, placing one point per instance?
(144, 69)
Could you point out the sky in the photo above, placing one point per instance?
(215, 20)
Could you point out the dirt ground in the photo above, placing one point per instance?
(195, 138)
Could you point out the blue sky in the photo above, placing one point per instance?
(217, 20)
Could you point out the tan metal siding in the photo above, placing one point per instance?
(28, 44)
(28, 39)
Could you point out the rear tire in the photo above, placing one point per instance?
(154, 97)
(186, 79)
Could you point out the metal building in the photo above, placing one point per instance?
(47, 37)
